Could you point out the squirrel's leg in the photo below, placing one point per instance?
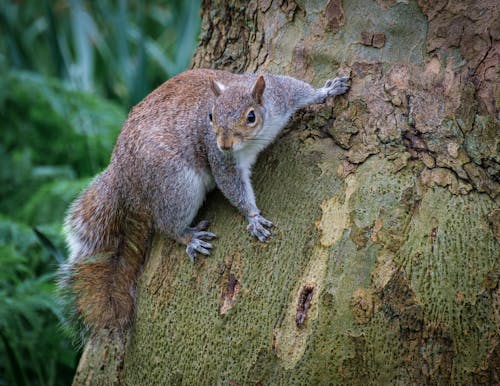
(308, 95)
(238, 190)
(256, 226)
(332, 87)
(185, 189)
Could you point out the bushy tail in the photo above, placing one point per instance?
(107, 250)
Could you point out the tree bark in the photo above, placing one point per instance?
(384, 265)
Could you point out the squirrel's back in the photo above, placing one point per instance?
(168, 127)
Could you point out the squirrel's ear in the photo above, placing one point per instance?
(258, 89)
(217, 87)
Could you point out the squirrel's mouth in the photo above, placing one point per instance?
(228, 148)
(225, 144)
(225, 151)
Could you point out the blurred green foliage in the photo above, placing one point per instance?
(119, 49)
(71, 69)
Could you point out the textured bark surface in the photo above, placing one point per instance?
(384, 267)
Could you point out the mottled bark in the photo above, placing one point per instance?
(384, 266)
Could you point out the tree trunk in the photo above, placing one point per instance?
(384, 265)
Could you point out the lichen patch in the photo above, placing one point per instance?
(290, 338)
(335, 216)
(384, 269)
(363, 305)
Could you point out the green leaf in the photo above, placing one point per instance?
(49, 245)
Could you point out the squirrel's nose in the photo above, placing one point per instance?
(225, 144)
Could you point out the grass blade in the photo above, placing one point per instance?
(49, 246)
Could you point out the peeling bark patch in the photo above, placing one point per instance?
(372, 39)
(345, 168)
(445, 178)
(363, 305)
(290, 338)
(231, 286)
(378, 39)
(376, 228)
(334, 16)
(384, 270)
(304, 305)
(301, 59)
(482, 180)
(470, 26)
(230, 294)
(348, 122)
(335, 216)
(366, 38)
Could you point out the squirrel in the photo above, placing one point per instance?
(198, 130)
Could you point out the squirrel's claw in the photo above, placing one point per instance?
(198, 245)
(197, 242)
(337, 86)
(191, 253)
(205, 235)
(256, 226)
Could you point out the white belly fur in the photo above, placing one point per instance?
(201, 183)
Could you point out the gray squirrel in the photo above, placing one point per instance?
(200, 129)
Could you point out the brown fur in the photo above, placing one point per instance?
(105, 284)
(104, 274)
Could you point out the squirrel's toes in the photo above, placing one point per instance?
(256, 226)
(197, 244)
(337, 86)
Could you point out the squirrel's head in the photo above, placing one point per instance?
(238, 114)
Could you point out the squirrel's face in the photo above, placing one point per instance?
(238, 116)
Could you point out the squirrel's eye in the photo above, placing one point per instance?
(210, 116)
(251, 116)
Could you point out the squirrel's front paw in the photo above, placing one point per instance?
(197, 242)
(337, 86)
(256, 226)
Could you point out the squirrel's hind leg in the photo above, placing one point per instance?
(174, 216)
